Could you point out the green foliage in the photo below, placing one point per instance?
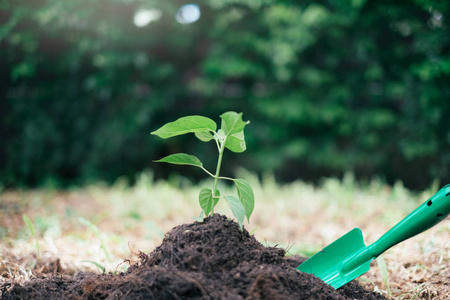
(331, 86)
(230, 136)
(191, 124)
(208, 202)
(182, 159)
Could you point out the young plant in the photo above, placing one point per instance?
(230, 136)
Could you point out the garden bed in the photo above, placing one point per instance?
(209, 260)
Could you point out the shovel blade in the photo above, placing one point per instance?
(327, 263)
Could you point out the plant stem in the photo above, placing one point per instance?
(209, 173)
(216, 177)
(226, 178)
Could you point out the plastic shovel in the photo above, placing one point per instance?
(348, 257)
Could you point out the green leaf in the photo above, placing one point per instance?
(189, 124)
(205, 199)
(220, 135)
(237, 208)
(246, 196)
(182, 159)
(204, 136)
(236, 142)
(232, 122)
(200, 218)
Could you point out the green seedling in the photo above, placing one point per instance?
(230, 136)
(33, 234)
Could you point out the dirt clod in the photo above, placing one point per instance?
(209, 260)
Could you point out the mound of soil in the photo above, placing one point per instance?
(209, 260)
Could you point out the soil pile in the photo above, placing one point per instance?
(209, 260)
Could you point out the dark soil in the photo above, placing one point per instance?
(209, 260)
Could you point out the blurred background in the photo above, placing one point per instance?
(330, 87)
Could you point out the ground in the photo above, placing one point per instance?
(85, 230)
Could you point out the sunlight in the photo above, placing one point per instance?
(188, 14)
(143, 17)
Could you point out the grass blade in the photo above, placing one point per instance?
(33, 233)
(95, 264)
(97, 234)
(384, 272)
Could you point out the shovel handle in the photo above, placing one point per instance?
(431, 212)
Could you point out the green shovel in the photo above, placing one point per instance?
(348, 257)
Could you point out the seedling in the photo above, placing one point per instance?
(230, 136)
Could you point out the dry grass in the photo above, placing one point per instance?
(298, 216)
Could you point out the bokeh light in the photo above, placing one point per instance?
(143, 17)
(188, 13)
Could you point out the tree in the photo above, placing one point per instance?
(330, 86)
